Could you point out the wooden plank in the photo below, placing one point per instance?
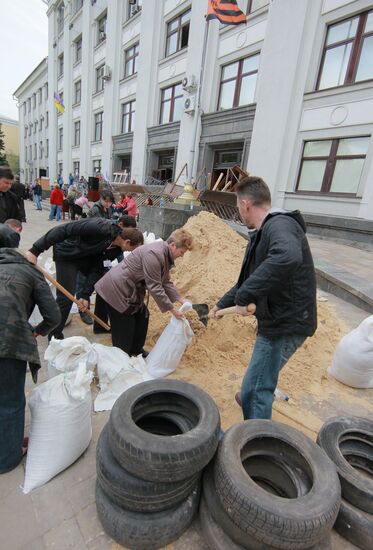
(218, 181)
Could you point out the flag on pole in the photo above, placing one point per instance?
(58, 103)
(226, 11)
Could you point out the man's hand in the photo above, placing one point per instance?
(31, 257)
(83, 305)
(246, 310)
(212, 313)
(178, 314)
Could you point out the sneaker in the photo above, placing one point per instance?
(86, 318)
(238, 398)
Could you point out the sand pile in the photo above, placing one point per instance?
(218, 356)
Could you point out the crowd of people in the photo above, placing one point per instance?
(277, 284)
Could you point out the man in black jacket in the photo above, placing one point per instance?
(277, 281)
(8, 201)
(81, 246)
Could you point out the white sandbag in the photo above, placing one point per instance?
(61, 426)
(352, 363)
(168, 350)
(65, 355)
(116, 372)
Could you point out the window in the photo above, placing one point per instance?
(348, 52)
(238, 81)
(29, 104)
(26, 153)
(78, 49)
(30, 129)
(97, 166)
(254, 5)
(177, 33)
(77, 133)
(41, 149)
(60, 17)
(26, 128)
(100, 82)
(46, 148)
(60, 138)
(30, 152)
(171, 104)
(60, 66)
(332, 165)
(134, 6)
(98, 126)
(130, 60)
(24, 108)
(76, 169)
(46, 91)
(77, 91)
(60, 168)
(35, 126)
(35, 151)
(101, 29)
(41, 124)
(77, 5)
(46, 119)
(33, 101)
(40, 95)
(128, 117)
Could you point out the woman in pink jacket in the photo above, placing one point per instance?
(131, 206)
(124, 288)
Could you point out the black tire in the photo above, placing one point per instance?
(335, 434)
(140, 531)
(213, 534)
(288, 523)
(355, 526)
(179, 452)
(133, 493)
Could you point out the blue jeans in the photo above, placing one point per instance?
(260, 380)
(12, 412)
(37, 200)
(55, 211)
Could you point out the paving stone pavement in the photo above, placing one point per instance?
(61, 515)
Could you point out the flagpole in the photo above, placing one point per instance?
(192, 156)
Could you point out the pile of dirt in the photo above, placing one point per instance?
(218, 356)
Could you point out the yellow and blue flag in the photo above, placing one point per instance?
(58, 103)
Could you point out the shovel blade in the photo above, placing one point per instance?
(202, 312)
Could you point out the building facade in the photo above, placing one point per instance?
(149, 87)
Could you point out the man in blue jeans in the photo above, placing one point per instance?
(277, 284)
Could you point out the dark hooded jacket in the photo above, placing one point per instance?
(9, 207)
(278, 275)
(22, 287)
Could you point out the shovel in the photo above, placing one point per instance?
(202, 312)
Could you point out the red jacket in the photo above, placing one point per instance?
(131, 208)
(56, 197)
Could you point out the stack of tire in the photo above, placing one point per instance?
(270, 486)
(348, 442)
(150, 455)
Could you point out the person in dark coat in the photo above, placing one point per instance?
(9, 207)
(277, 284)
(81, 246)
(20, 191)
(22, 287)
(104, 207)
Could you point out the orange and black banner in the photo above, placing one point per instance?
(226, 11)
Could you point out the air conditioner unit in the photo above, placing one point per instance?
(189, 84)
(189, 105)
(107, 73)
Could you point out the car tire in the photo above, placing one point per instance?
(141, 531)
(287, 523)
(355, 526)
(175, 453)
(356, 435)
(132, 493)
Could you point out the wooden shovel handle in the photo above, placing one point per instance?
(70, 296)
(231, 310)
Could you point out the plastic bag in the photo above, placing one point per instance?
(61, 426)
(65, 355)
(168, 350)
(117, 372)
(352, 363)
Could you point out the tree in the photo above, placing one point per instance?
(13, 162)
(3, 159)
